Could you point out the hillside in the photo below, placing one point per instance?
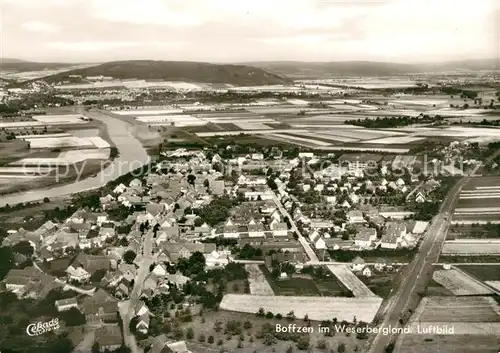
(24, 66)
(297, 69)
(241, 75)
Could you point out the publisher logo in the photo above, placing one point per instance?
(40, 328)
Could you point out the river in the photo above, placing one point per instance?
(132, 155)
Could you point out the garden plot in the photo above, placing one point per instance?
(174, 120)
(61, 119)
(252, 126)
(258, 282)
(457, 112)
(458, 283)
(300, 139)
(475, 247)
(316, 308)
(401, 162)
(397, 140)
(327, 136)
(457, 309)
(58, 142)
(98, 142)
(146, 112)
(298, 102)
(351, 282)
(494, 284)
(247, 132)
(65, 158)
(24, 137)
(20, 124)
(25, 170)
(183, 86)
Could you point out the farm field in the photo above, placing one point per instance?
(475, 321)
(483, 272)
(474, 231)
(257, 281)
(350, 281)
(479, 200)
(494, 284)
(317, 308)
(65, 158)
(471, 247)
(458, 283)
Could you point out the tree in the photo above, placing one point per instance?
(269, 315)
(96, 348)
(72, 317)
(341, 348)
(206, 183)
(190, 333)
(23, 247)
(261, 312)
(46, 200)
(210, 339)
(129, 257)
(247, 325)
(191, 178)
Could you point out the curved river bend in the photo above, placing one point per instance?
(132, 155)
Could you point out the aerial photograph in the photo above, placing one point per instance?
(249, 176)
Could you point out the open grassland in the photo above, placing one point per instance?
(257, 281)
(398, 140)
(317, 308)
(458, 283)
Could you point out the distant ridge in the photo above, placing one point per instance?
(22, 65)
(241, 75)
(369, 68)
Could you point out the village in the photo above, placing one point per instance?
(204, 229)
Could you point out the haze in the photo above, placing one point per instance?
(256, 30)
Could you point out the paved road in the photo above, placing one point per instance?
(419, 271)
(132, 156)
(305, 244)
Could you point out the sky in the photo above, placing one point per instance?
(408, 31)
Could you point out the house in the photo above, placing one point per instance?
(417, 227)
(178, 279)
(255, 229)
(108, 338)
(216, 259)
(279, 229)
(365, 237)
(120, 189)
(142, 325)
(217, 187)
(366, 272)
(357, 264)
(419, 197)
(320, 244)
(203, 230)
(100, 308)
(393, 235)
(77, 274)
(357, 163)
(380, 264)
(230, 230)
(122, 291)
(160, 270)
(91, 263)
(66, 304)
(355, 217)
(175, 251)
(154, 209)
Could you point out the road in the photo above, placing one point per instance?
(127, 308)
(305, 244)
(419, 272)
(132, 156)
